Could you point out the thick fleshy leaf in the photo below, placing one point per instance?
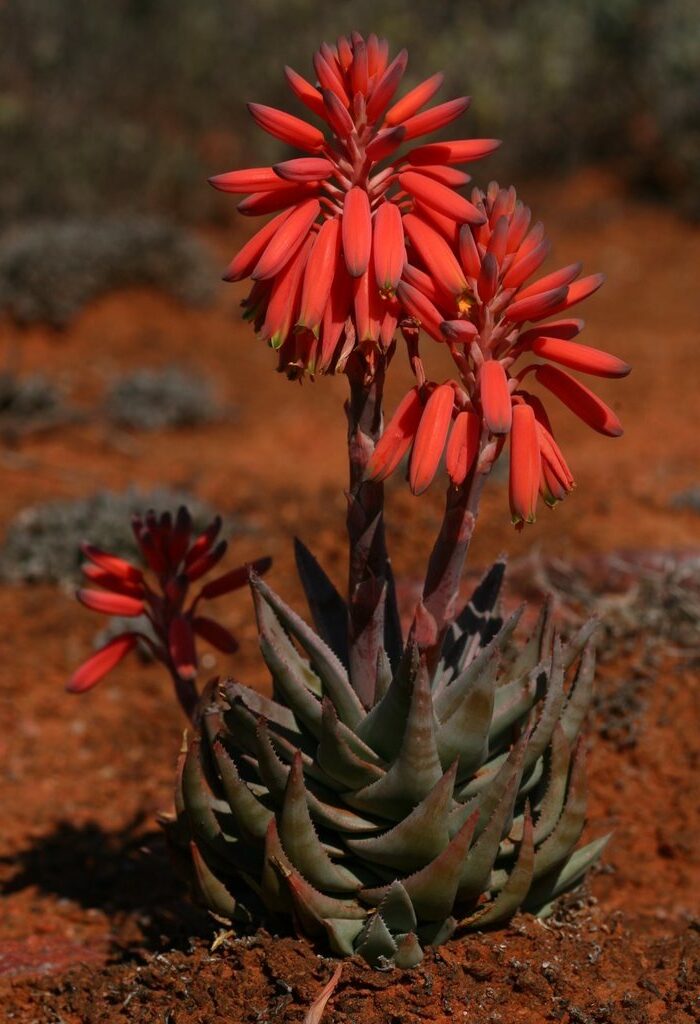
(464, 733)
(327, 607)
(336, 758)
(418, 838)
(557, 775)
(515, 889)
(580, 400)
(433, 889)
(301, 843)
(569, 827)
(416, 769)
(324, 661)
(252, 817)
(384, 725)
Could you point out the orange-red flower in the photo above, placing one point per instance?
(354, 180)
(159, 591)
(468, 283)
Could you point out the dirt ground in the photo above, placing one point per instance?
(93, 926)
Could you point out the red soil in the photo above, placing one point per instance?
(94, 928)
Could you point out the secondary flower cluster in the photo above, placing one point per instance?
(173, 560)
(327, 266)
(470, 286)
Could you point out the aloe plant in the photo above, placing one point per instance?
(457, 798)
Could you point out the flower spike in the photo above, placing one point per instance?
(177, 560)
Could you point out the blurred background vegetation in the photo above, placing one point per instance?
(116, 105)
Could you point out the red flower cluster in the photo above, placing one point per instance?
(327, 266)
(174, 560)
(468, 285)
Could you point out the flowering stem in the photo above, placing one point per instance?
(446, 564)
(367, 575)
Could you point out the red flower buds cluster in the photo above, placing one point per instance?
(173, 560)
(327, 266)
(470, 286)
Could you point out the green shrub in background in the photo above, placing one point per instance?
(126, 103)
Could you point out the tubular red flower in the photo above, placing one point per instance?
(397, 437)
(102, 662)
(389, 246)
(411, 103)
(435, 118)
(580, 357)
(304, 168)
(440, 197)
(215, 634)
(286, 127)
(495, 397)
(112, 563)
(110, 604)
(243, 263)
(525, 469)
(357, 231)
(421, 309)
(286, 240)
(536, 307)
(463, 446)
(319, 273)
(460, 151)
(252, 179)
(304, 91)
(580, 400)
(430, 438)
(435, 253)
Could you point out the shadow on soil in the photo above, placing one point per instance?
(126, 874)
